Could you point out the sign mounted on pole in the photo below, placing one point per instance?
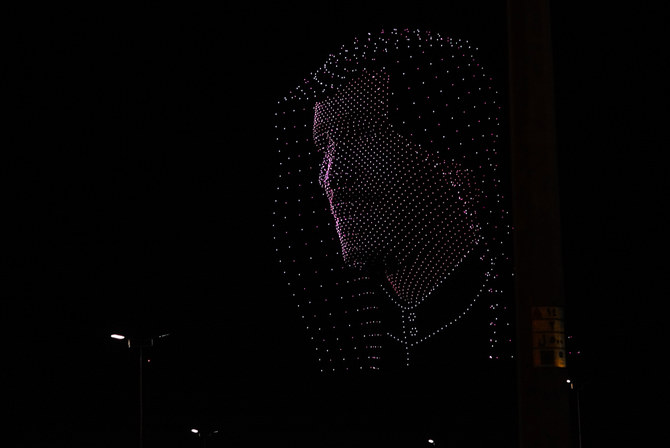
(548, 330)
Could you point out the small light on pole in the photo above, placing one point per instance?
(431, 441)
(132, 344)
(204, 435)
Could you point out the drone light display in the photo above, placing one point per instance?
(390, 221)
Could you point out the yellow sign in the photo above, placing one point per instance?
(548, 331)
(548, 340)
(549, 358)
(547, 312)
(548, 325)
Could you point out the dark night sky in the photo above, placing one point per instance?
(139, 193)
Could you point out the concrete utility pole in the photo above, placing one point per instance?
(544, 420)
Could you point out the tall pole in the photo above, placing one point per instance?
(141, 401)
(148, 343)
(579, 421)
(544, 420)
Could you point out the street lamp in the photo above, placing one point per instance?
(577, 388)
(204, 436)
(141, 344)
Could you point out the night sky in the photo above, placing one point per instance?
(138, 198)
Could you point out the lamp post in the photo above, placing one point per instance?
(576, 388)
(140, 344)
(204, 436)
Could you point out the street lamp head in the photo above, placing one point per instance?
(117, 336)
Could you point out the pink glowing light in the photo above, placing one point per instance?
(395, 194)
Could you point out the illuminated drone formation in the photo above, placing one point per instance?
(388, 197)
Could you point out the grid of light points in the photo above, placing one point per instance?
(388, 198)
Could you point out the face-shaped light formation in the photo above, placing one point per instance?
(397, 208)
(353, 178)
(389, 199)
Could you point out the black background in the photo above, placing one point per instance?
(138, 200)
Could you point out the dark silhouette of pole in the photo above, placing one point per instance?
(579, 420)
(140, 345)
(141, 400)
(544, 420)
